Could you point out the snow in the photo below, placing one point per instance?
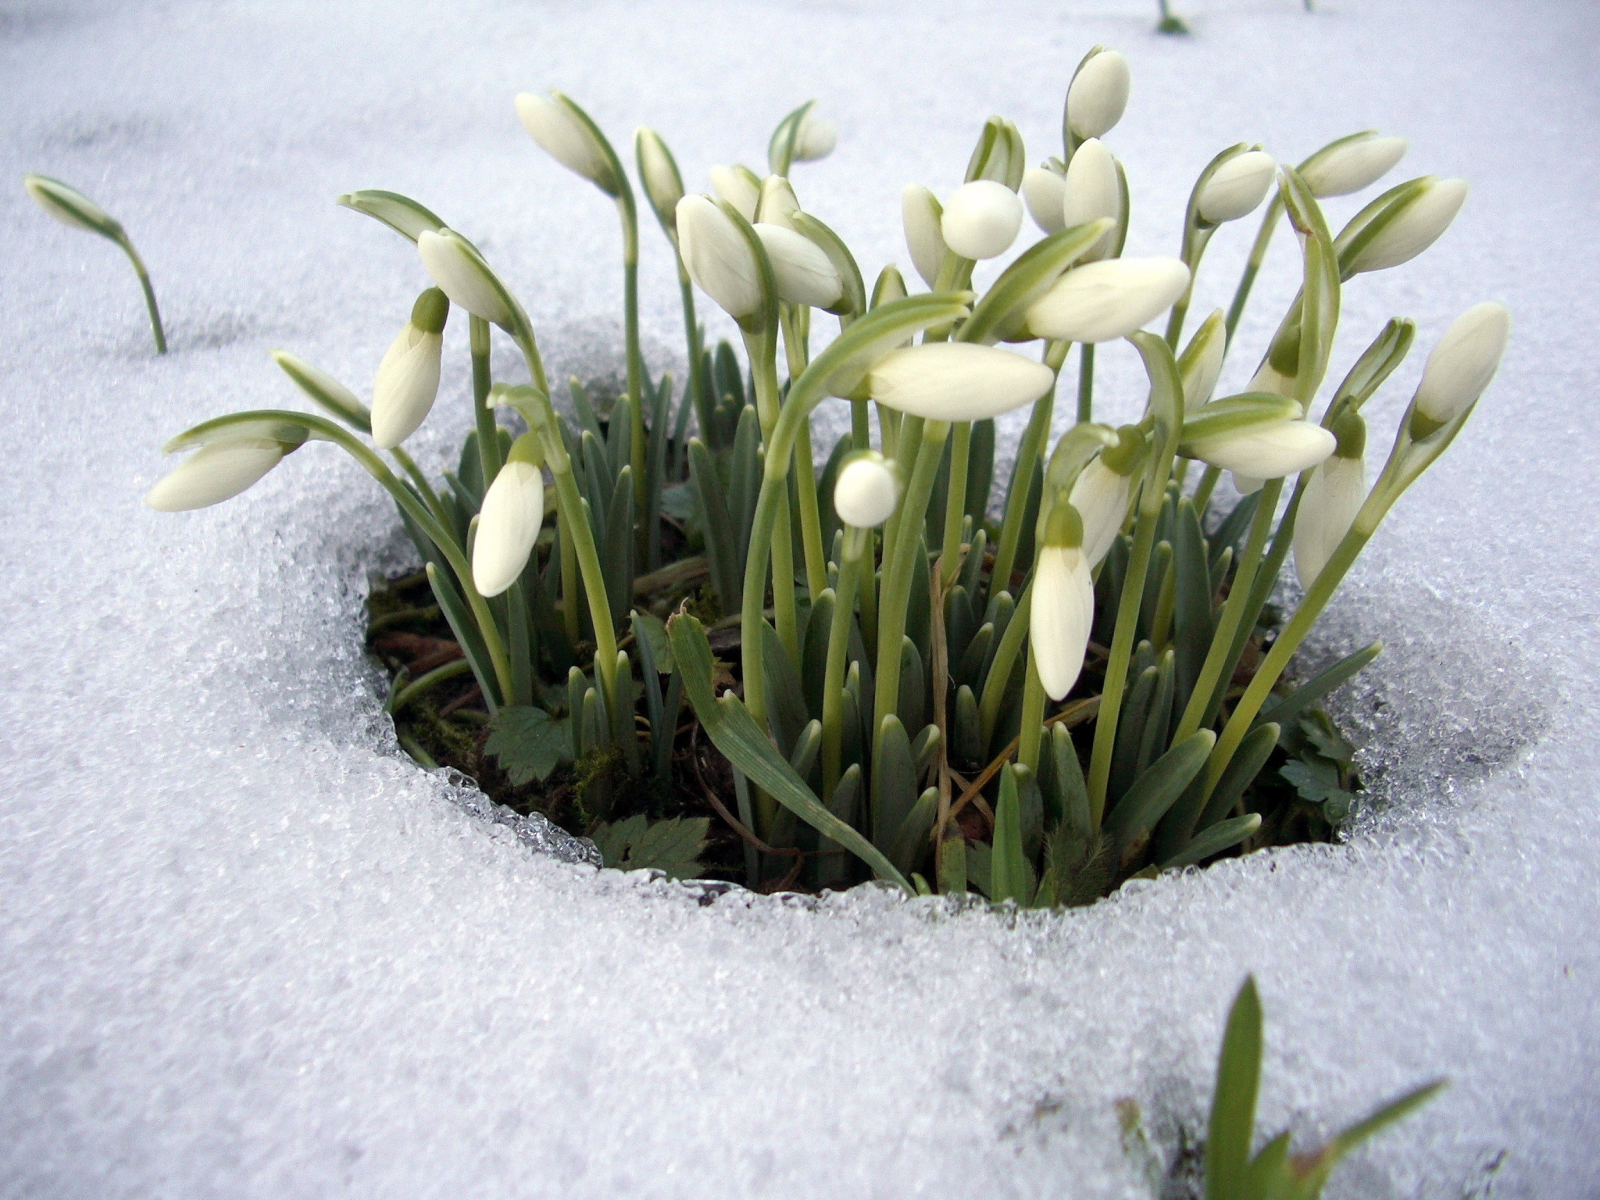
(250, 950)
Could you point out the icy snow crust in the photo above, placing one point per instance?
(250, 950)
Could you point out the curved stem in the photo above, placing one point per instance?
(1258, 254)
(149, 293)
(594, 580)
(483, 415)
(955, 505)
(844, 603)
(1031, 734)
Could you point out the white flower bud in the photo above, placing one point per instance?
(816, 139)
(801, 271)
(408, 377)
(1328, 507)
(1101, 497)
(957, 381)
(1043, 191)
(567, 138)
(1060, 616)
(717, 256)
(1351, 164)
(1201, 361)
(981, 219)
(462, 275)
(738, 186)
(1092, 191)
(1413, 229)
(1237, 187)
(1463, 362)
(1269, 450)
(1098, 95)
(509, 520)
(778, 203)
(659, 173)
(1101, 301)
(70, 206)
(921, 213)
(867, 490)
(216, 472)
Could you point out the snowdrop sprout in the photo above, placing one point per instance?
(1237, 187)
(802, 272)
(659, 172)
(1267, 450)
(216, 472)
(867, 490)
(957, 381)
(1062, 610)
(1403, 229)
(508, 522)
(1101, 301)
(462, 275)
(1333, 496)
(408, 377)
(816, 138)
(1043, 190)
(923, 216)
(556, 125)
(1351, 164)
(717, 257)
(1460, 366)
(1099, 94)
(739, 186)
(981, 219)
(1092, 190)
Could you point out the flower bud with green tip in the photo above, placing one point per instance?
(1201, 361)
(1333, 496)
(1043, 190)
(816, 137)
(923, 215)
(408, 378)
(867, 490)
(802, 272)
(659, 172)
(1098, 94)
(556, 124)
(1102, 301)
(1237, 187)
(957, 381)
(1103, 491)
(1061, 613)
(217, 471)
(462, 275)
(1092, 191)
(739, 186)
(981, 219)
(1351, 163)
(325, 391)
(1399, 225)
(717, 257)
(1264, 450)
(1460, 367)
(508, 522)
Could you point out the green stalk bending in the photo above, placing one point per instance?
(955, 505)
(1005, 656)
(1032, 732)
(1029, 451)
(483, 415)
(844, 602)
(149, 292)
(1258, 254)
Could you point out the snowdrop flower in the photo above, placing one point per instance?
(867, 490)
(1461, 365)
(216, 472)
(508, 522)
(1413, 228)
(1101, 301)
(1267, 450)
(658, 170)
(922, 215)
(1101, 494)
(408, 376)
(957, 381)
(1201, 361)
(802, 272)
(778, 203)
(462, 275)
(1043, 190)
(70, 206)
(1351, 164)
(1237, 187)
(1062, 609)
(1098, 95)
(1333, 496)
(1092, 190)
(557, 125)
(816, 139)
(717, 256)
(981, 219)
(739, 186)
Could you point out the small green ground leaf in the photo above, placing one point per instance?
(655, 629)
(673, 845)
(528, 742)
(1316, 781)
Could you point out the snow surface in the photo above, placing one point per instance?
(249, 950)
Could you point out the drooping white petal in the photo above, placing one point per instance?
(461, 275)
(406, 386)
(717, 256)
(1349, 167)
(867, 490)
(1098, 95)
(1092, 191)
(216, 472)
(565, 138)
(1416, 228)
(508, 525)
(1463, 362)
(1267, 451)
(802, 272)
(1043, 191)
(739, 187)
(957, 381)
(1101, 497)
(1061, 616)
(981, 219)
(1101, 301)
(1328, 508)
(1237, 186)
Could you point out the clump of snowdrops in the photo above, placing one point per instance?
(1036, 706)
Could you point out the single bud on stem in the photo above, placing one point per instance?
(1092, 191)
(868, 489)
(1332, 498)
(1061, 612)
(1102, 301)
(659, 172)
(1351, 164)
(1237, 187)
(1460, 367)
(1098, 94)
(981, 219)
(717, 257)
(462, 275)
(802, 272)
(216, 472)
(1043, 190)
(923, 217)
(408, 378)
(739, 186)
(1267, 450)
(816, 138)
(556, 124)
(1385, 235)
(957, 381)
(509, 520)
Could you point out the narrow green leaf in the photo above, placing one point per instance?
(894, 783)
(1243, 767)
(1191, 613)
(806, 746)
(618, 548)
(1314, 689)
(1312, 1174)
(721, 547)
(400, 213)
(1011, 875)
(1136, 814)
(911, 843)
(1268, 1175)
(1224, 835)
(459, 617)
(1233, 1104)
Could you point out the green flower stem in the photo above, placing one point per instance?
(1258, 254)
(691, 342)
(409, 466)
(910, 448)
(785, 614)
(149, 292)
(897, 578)
(810, 513)
(483, 415)
(855, 562)
(1032, 732)
(1005, 657)
(569, 579)
(1029, 451)
(422, 683)
(860, 425)
(594, 580)
(955, 505)
(868, 597)
(1218, 657)
(1085, 382)
(1203, 489)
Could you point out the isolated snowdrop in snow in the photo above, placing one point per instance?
(555, 123)
(1237, 187)
(1462, 363)
(1098, 95)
